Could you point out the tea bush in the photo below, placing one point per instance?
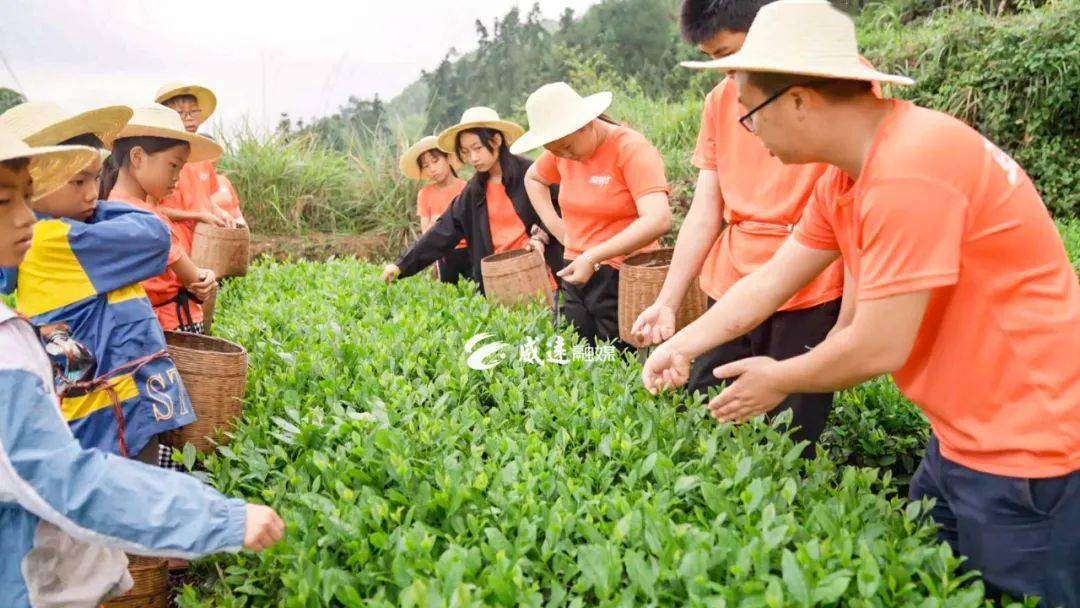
(408, 478)
(1015, 78)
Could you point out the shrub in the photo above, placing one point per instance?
(409, 479)
(1014, 78)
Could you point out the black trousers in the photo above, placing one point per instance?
(784, 335)
(455, 266)
(593, 308)
(1020, 534)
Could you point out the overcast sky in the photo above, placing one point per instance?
(314, 53)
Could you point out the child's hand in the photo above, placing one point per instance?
(208, 217)
(205, 286)
(263, 527)
(226, 218)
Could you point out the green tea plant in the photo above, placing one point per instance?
(874, 425)
(407, 478)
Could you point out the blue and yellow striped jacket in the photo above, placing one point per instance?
(87, 274)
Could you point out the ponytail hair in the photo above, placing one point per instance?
(121, 157)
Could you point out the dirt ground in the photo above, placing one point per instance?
(318, 246)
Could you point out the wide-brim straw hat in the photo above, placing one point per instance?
(556, 110)
(479, 117)
(50, 166)
(159, 121)
(43, 123)
(410, 160)
(803, 37)
(206, 98)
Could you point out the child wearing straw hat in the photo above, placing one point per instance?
(80, 284)
(193, 200)
(143, 169)
(493, 213)
(424, 160)
(69, 513)
(613, 196)
(963, 292)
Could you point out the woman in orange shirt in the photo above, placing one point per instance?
(493, 212)
(144, 168)
(613, 196)
(424, 160)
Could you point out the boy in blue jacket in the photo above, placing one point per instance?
(80, 284)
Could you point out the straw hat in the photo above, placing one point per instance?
(158, 121)
(50, 166)
(43, 123)
(206, 98)
(555, 111)
(409, 161)
(479, 118)
(809, 37)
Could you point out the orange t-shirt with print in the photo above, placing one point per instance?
(164, 287)
(432, 201)
(762, 200)
(598, 196)
(198, 182)
(994, 363)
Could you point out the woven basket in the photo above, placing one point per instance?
(214, 372)
(151, 588)
(640, 280)
(226, 251)
(515, 277)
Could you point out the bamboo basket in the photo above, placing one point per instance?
(151, 590)
(640, 280)
(515, 277)
(226, 251)
(214, 372)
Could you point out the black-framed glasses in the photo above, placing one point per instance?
(747, 120)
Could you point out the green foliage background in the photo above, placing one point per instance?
(1013, 75)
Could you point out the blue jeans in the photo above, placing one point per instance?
(1023, 535)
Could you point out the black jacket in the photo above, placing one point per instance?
(467, 217)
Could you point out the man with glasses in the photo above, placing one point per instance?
(745, 205)
(962, 287)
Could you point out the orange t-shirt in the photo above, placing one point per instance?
(433, 201)
(507, 229)
(598, 196)
(225, 196)
(762, 200)
(165, 286)
(198, 182)
(994, 364)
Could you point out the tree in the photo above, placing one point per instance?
(9, 99)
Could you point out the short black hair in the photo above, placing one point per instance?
(16, 164)
(836, 88)
(700, 20)
(86, 139)
(185, 97)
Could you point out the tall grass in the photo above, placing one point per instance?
(290, 184)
